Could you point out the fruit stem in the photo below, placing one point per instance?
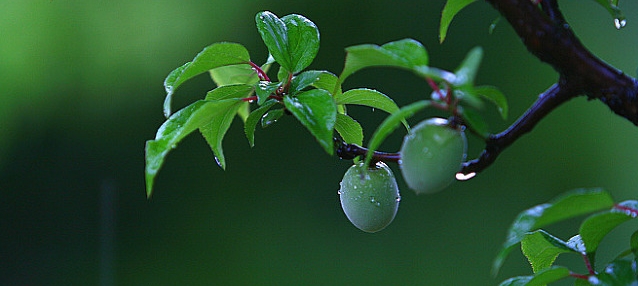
(579, 276)
(260, 72)
(633, 212)
(254, 97)
(350, 151)
(590, 268)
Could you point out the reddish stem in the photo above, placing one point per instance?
(260, 72)
(250, 98)
(435, 87)
(632, 211)
(590, 269)
(579, 276)
(254, 97)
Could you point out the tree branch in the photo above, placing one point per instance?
(546, 103)
(350, 151)
(548, 36)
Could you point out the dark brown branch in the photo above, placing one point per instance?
(550, 7)
(547, 36)
(546, 102)
(351, 151)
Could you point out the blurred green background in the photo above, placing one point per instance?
(82, 91)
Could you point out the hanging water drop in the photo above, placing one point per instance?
(620, 23)
(619, 19)
(464, 177)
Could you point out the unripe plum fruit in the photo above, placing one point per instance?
(369, 196)
(431, 155)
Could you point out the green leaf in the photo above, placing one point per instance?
(618, 273)
(303, 41)
(234, 74)
(390, 124)
(581, 282)
(475, 121)
(597, 226)
(317, 111)
(253, 118)
(407, 54)
(175, 128)
(549, 275)
(274, 34)
(264, 89)
(541, 278)
(215, 130)
(568, 205)
(466, 72)
(293, 41)
(517, 281)
(634, 243)
(467, 95)
(411, 52)
(452, 7)
(614, 11)
(329, 82)
(233, 91)
(271, 117)
(349, 129)
(243, 111)
(305, 79)
(494, 95)
(434, 73)
(213, 56)
(368, 97)
(284, 74)
(541, 249)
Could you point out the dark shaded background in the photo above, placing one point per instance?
(82, 91)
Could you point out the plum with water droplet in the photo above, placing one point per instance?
(369, 196)
(432, 154)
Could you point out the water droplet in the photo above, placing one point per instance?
(269, 122)
(620, 23)
(374, 201)
(465, 177)
(398, 199)
(593, 280)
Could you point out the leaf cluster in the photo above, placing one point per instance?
(314, 97)
(541, 248)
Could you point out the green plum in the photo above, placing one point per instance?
(369, 196)
(431, 155)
